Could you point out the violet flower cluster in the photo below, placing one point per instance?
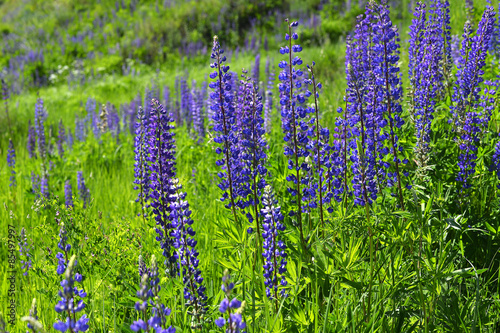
(466, 116)
(71, 302)
(82, 188)
(68, 194)
(234, 308)
(160, 190)
(60, 139)
(373, 106)
(154, 320)
(429, 49)
(160, 158)
(293, 126)
(224, 124)
(25, 252)
(327, 159)
(141, 170)
(386, 72)
(274, 247)
(253, 147)
(11, 163)
(495, 159)
(31, 141)
(187, 255)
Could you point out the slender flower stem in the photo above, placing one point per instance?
(391, 124)
(296, 146)
(345, 149)
(254, 173)
(320, 174)
(226, 142)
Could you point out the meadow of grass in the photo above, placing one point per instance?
(432, 266)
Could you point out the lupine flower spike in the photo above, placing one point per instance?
(68, 194)
(274, 247)
(426, 56)
(33, 324)
(253, 149)
(82, 188)
(291, 114)
(184, 244)
(386, 39)
(466, 97)
(224, 121)
(320, 142)
(495, 159)
(148, 294)
(11, 162)
(233, 308)
(31, 142)
(161, 161)
(25, 252)
(140, 167)
(60, 139)
(69, 305)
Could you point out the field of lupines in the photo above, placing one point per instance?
(271, 196)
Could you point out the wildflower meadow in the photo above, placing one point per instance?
(250, 166)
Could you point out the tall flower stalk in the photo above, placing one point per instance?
(274, 247)
(69, 305)
(295, 139)
(253, 150)
(319, 145)
(224, 123)
(141, 170)
(466, 117)
(11, 162)
(5, 97)
(385, 62)
(427, 56)
(154, 320)
(233, 308)
(161, 161)
(185, 247)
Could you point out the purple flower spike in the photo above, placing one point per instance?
(82, 188)
(430, 61)
(25, 252)
(40, 116)
(141, 168)
(224, 123)
(294, 126)
(160, 157)
(71, 302)
(11, 162)
(68, 194)
(185, 247)
(274, 249)
(61, 139)
(154, 314)
(31, 144)
(468, 120)
(233, 309)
